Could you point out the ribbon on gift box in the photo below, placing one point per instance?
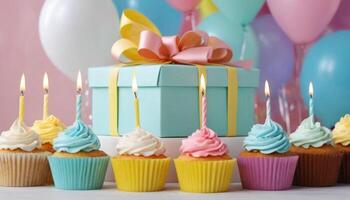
(142, 43)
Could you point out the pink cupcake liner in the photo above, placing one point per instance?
(267, 173)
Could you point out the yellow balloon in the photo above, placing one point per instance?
(206, 8)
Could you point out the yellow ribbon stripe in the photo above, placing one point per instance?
(113, 100)
(232, 94)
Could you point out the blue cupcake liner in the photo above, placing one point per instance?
(78, 173)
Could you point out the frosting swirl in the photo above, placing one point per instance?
(310, 134)
(19, 136)
(341, 132)
(140, 143)
(203, 143)
(267, 138)
(48, 128)
(76, 138)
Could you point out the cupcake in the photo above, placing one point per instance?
(22, 161)
(204, 165)
(319, 162)
(341, 139)
(267, 163)
(78, 164)
(140, 164)
(48, 130)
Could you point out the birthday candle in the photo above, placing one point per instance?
(136, 102)
(204, 102)
(311, 102)
(78, 97)
(46, 97)
(268, 104)
(21, 99)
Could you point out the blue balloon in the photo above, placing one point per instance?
(327, 65)
(166, 18)
(230, 32)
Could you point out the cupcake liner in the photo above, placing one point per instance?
(344, 174)
(82, 173)
(140, 175)
(267, 173)
(317, 170)
(24, 169)
(202, 176)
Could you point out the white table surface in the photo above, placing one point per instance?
(341, 192)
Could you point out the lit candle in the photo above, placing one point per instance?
(21, 98)
(268, 104)
(311, 102)
(78, 97)
(136, 102)
(204, 102)
(46, 97)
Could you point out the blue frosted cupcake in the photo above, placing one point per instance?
(266, 163)
(78, 164)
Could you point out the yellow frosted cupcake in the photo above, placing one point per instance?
(48, 130)
(341, 139)
(204, 164)
(140, 165)
(22, 161)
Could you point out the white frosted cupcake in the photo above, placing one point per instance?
(140, 165)
(22, 161)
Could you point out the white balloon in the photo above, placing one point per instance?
(78, 34)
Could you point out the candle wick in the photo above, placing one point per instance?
(22, 93)
(79, 91)
(135, 95)
(46, 91)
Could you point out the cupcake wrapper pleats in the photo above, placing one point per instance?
(317, 170)
(84, 173)
(344, 174)
(140, 175)
(267, 173)
(204, 176)
(24, 169)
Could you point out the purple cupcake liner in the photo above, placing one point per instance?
(267, 173)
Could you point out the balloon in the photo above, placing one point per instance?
(327, 65)
(184, 5)
(276, 58)
(250, 47)
(303, 20)
(190, 18)
(207, 8)
(241, 11)
(78, 34)
(341, 19)
(230, 32)
(166, 18)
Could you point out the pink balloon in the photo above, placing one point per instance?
(184, 5)
(341, 19)
(303, 20)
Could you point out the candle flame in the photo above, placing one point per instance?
(202, 84)
(79, 82)
(311, 89)
(22, 86)
(267, 89)
(134, 83)
(46, 82)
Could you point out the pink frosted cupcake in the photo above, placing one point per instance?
(204, 165)
(267, 163)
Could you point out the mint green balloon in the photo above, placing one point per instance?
(242, 11)
(230, 32)
(251, 49)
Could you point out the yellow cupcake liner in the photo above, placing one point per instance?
(140, 175)
(201, 176)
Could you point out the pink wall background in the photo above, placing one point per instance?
(21, 52)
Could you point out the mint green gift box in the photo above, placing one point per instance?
(168, 95)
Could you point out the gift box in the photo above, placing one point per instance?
(169, 99)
